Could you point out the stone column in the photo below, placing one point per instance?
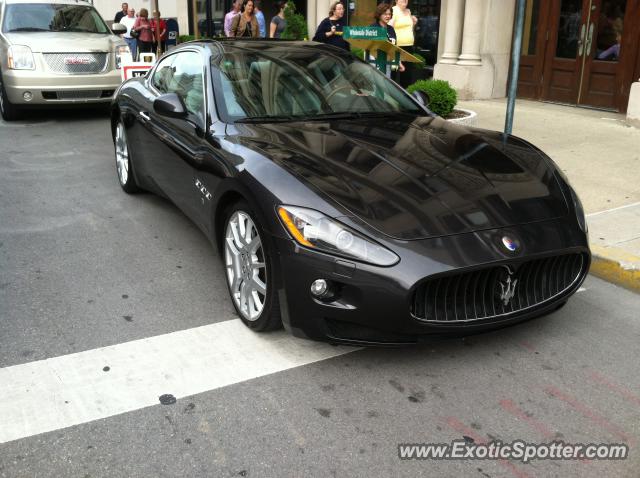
(453, 31)
(472, 34)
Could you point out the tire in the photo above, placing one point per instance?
(249, 269)
(124, 164)
(9, 111)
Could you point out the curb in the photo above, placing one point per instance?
(616, 266)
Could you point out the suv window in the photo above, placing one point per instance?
(47, 17)
(187, 81)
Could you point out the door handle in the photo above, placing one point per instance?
(145, 116)
(581, 40)
(589, 40)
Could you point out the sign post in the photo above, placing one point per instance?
(156, 16)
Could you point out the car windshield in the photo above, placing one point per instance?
(284, 83)
(46, 17)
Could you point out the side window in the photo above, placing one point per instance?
(163, 75)
(187, 81)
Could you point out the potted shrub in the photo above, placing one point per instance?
(442, 101)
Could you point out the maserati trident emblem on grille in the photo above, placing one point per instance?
(508, 290)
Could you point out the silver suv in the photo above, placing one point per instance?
(56, 52)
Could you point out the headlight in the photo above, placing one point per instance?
(582, 220)
(314, 230)
(120, 51)
(20, 58)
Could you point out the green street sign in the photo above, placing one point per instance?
(365, 33)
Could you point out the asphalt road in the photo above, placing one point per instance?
(84, 267)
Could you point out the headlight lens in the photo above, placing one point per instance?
(582, 220)
(121, 50)
(314, 230)
(20, 58)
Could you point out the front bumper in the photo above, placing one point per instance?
(373, 304)
(49, 88)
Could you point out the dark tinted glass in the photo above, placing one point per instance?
(300, 83)
(34, 17)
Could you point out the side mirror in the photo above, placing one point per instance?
(170, 105)
(421, 97)
(118, 28)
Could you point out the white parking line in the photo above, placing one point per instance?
(626, 206)
(59, 392)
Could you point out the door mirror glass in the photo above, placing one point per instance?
(171, 105)
(421, 97)
(118, 28)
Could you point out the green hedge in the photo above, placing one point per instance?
(296, 26)
(443, 98)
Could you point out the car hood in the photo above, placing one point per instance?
(414, 178)
(65, 42)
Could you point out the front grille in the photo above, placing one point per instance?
(496, 291)
(75, 94)
(76, 63)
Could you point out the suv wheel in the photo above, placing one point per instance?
(8, 110)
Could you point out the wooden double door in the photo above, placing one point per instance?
(582, 52)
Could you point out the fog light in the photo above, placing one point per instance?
(27, 95)
(321, 289)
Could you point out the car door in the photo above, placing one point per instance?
(174, 143)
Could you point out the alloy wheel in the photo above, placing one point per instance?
(122, 154)
(246, 265)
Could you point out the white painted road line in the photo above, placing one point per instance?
(626, 206)
(60, 392)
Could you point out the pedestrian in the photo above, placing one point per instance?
(128, 22)
(330, 29)
(382, 16)
(245, 24)
(122, 13)
(145, 35)
(278, 23)
(163, 34)
(404, 23)
(260, 17)
(228, 18)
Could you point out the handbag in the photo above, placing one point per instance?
(134, 33)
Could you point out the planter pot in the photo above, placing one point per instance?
(469, 119)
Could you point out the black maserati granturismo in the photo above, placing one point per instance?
(342, 207)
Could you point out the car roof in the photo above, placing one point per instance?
(261, 45)
(55, 2)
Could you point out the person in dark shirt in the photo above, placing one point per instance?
(382, 16)
(121, 13)
(330, 29)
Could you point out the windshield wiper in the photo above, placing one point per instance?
(76, 29)
(266, 119)
(349, 115)
(28, 29)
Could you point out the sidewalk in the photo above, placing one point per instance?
(601, 156)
